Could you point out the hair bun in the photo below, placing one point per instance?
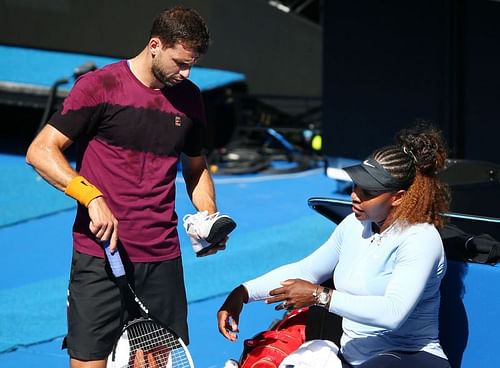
(425, 145)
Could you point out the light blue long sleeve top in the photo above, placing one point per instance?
(387, 286)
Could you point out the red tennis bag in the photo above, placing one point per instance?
(268, 348)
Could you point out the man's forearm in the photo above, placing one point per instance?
(46, 157)
(203, 193)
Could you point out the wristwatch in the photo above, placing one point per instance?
(323, 298)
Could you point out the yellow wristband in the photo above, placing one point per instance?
(81, 190)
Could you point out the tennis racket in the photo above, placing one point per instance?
(144, 342)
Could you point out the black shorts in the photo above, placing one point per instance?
(95, 309)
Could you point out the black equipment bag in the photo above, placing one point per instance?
(462, 246)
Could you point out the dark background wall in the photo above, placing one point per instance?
(389, 62)
(481, 80)
(279, 53)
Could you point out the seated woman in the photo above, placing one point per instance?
(387, 261)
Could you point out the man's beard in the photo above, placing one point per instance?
(162, 77)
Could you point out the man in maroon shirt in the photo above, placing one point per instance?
(131, 122)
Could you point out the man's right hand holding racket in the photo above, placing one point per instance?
(103, 223)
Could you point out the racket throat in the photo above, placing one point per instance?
(143, 308)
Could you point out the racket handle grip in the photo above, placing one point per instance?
(115, 261)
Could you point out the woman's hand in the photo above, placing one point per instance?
(229, 313)
(294, 294)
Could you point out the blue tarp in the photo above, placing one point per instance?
(34, 67)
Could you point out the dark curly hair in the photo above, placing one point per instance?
(184, 25)
(415, 160)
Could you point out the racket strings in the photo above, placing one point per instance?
(148, 338)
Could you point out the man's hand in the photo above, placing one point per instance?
(214, 249)
(103, 223)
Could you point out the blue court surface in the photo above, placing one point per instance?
(275, 226)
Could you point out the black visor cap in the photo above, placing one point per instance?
(370, 175)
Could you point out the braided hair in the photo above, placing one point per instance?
(415, 160)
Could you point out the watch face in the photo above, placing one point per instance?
(324, 297)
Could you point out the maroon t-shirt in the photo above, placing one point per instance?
(129, 138)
